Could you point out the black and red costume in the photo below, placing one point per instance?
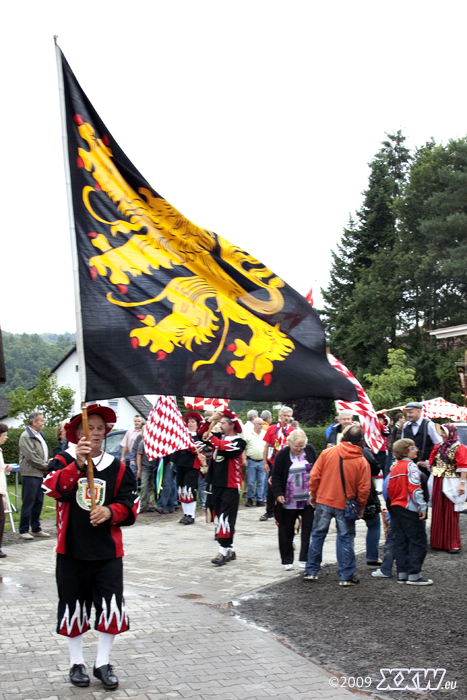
(225, 476)
(89, 559)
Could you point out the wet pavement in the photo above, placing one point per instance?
(185, 640)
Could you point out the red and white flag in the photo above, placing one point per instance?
(197, 403)
(309, 297)
(363, 407)
(165, 432)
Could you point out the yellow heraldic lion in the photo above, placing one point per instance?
(159, 236)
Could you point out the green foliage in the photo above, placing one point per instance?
(11, 446)
(400, 268)
(26, 354)
(316, 437)
(47, 397)
(363, 277)
(388, 387)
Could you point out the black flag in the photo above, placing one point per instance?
(170, 308)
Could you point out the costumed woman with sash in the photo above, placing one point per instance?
(448, 463)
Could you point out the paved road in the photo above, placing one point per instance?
(184, 642)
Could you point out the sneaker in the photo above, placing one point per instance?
(420, 582)
(288, 567)
(231, 555)
(219, 560)
(265, 517)
(26, 536)
(249, 503)
(379, 574)
(401, 580)
(350, 582)
(41, 533)
(310, 577)
(301, 564)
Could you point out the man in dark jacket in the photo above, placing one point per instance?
(423, 432)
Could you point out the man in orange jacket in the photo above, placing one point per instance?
(327, 495)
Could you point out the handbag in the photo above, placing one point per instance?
(373, 505)
(352, 506)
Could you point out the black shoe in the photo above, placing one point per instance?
(2, 555)
(231, 555)
(350, 581)
(260, 504)
(420, 582)
(189, 520)
(265, 517)
(249, 503)
(106, 676)
(219, 560)
(182, 520)
(78, 676)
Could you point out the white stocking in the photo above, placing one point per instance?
(104, 647)
(191, 509)
(75, 646)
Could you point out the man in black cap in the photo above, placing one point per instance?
(422, 431)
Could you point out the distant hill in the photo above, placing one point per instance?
(26, 354)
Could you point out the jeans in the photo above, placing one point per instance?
(255, 477)
(202, 490)
(265, 486)
(388, 559)
(33, 498)
(167, 492)
(388, 463)
(344, 542)
(147, 487)
(410, 542)
(373, 534)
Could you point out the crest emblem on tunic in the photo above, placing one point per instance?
(83, 494)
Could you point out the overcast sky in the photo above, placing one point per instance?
(255, 119)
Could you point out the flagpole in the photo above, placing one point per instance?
(71, 225)
(90, 467)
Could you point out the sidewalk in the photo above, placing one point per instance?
(182, 644)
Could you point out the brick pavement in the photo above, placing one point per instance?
(182, 644)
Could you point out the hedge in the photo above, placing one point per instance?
(11, 446)
(317, 437)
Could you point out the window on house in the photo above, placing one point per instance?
(113, 404)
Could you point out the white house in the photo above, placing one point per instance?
(126, 407)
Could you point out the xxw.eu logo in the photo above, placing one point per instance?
(413, 679)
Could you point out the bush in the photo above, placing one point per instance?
(317, 437)
(11, 446)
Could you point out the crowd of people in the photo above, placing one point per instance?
(273, 463)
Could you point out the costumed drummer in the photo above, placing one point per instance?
(225, 476)
(89, 543)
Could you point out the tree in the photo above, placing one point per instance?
(362, 301)
(26, 354)
(47, 397)
(388, 387)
